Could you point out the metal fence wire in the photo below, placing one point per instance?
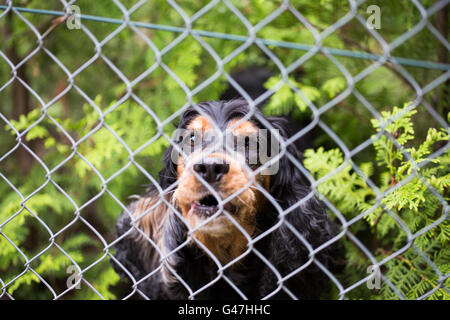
(398, 64)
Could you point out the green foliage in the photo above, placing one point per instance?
(286, 100)
(107, 155)
(57, 189)
(407, 196)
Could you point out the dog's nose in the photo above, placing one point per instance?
(211, 169)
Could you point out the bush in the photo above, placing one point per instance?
(98, 144)
(400, 203)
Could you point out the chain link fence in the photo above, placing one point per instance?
(68, 16)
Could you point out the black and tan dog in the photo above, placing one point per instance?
(193, 234)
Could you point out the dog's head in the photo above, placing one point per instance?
(214, 193)
(224, 158)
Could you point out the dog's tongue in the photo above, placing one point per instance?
(202, 210)
(192, 209)
(198, 209)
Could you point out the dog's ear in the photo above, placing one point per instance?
(127, 259)
(168, 175)
(288, 174)
(139, 234)
(303, 214)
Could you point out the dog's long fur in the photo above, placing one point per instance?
(161, 231)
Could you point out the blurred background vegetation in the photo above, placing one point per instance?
(78, 202)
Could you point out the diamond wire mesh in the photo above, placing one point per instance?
(251, 39)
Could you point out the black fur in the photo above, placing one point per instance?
(282, 249)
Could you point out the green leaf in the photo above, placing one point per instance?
(334, 86)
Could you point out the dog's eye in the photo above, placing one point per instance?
(192, 139)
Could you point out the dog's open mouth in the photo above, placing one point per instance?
(208, 205)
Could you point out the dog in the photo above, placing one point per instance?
(217, 227)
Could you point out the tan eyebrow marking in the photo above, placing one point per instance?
(244, 128)
(200, 123)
